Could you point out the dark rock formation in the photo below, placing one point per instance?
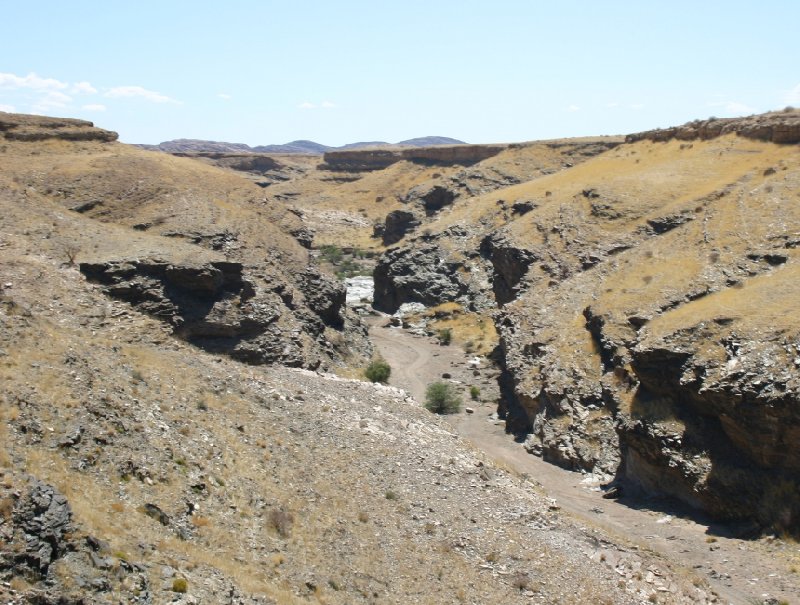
(509, 263)
(377, 159)
(21, 127)
(437, 198)
(216, 307)
(44, 517)
(324, 296)
(418, 273)
(398, 223)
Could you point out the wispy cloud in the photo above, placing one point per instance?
(8, 108)
(573, 108)
(612, 104)
(306, 105)
(31, 81)
(51, 99)
(94, 107)
(328, 105)
(225, 96)
(636, 106)
(733, 108)
(793, 96)
(122, 92)
(83, 88)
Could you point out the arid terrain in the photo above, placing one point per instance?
(184, 416)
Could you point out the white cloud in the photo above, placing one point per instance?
(306, 105)
(8, 108)
(83, 88)
(139, 92)
(612, 104)
(573, 108)
(734, 108)
(793, 96)
(327, 105)
(52, 99)
(225, 96)
(31, 81)
(636, 106)
(94, 107)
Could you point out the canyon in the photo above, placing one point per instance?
(185, 416)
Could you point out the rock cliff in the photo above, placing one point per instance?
(646, 332)
(30, 128)
(378, 159)
(781, 127)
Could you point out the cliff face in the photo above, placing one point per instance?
(777, 127)
(378, 159)
(20, 127)
(646, 329)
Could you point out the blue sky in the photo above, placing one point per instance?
(262, 72)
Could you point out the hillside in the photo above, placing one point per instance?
(179, 421)
(646, 327)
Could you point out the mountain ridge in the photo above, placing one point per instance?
(305, 147)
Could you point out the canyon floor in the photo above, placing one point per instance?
(739, 570)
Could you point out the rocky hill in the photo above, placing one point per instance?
(646, 325)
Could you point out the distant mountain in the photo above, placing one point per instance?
(309, 147)
(364, 144)
(299, 147)
(431, 141)
(197, 145)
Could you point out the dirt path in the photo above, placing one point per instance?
(740, 571)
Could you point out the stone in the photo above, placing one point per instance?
(44, 516)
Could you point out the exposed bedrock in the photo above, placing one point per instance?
(377, 159)
(417, 273)
(221, 308)
(777, 127)
(21, 127)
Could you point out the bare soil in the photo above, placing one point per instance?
(739, 570)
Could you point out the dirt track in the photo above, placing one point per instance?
(740, 571)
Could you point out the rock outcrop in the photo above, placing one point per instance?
(220, 308)
(781, 127)
(397, 225)
(416, 274)
(30, 128)
(378, 159)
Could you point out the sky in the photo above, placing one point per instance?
(261, 72)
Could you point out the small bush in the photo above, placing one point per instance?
(445, 336)
(474, 393)
(332, 254)
(180, 585)
(281, 521)
(378, 371)
(442, 398)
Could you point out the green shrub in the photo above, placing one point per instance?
(474, 393)
(378, 371)
(442, 398)
(332, 254)
(180, 585)
(445, 336)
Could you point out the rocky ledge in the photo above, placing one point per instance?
(221, 308)
(21, 127)
(378, 159)
(775, 127)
